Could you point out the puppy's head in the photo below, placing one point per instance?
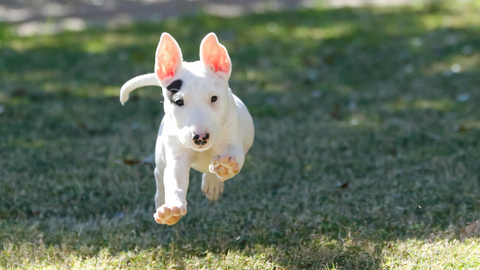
(196, 94)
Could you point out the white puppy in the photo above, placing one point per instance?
(205, 127)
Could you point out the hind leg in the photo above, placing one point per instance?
(160, 194)
(212, 187)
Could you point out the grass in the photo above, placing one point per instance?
(365, 157)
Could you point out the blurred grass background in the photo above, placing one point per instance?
(366, 151)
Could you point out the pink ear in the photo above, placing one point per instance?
(215, 56)
(168, 57)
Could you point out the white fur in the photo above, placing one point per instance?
(227, 121)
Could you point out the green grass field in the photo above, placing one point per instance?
(366, 153)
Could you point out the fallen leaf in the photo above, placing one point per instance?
(342, 185)
(459, 128)
(150, 160)
(473, 229)
(134, 98)
(392, 150)
(335, 113)
(82, 125)
(130, 161)
(19, 92)
(307, 167)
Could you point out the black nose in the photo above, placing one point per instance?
(201, 139)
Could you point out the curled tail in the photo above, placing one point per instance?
(137, 82)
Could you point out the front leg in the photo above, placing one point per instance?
(176, 178)
(228, 164)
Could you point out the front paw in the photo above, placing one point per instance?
(224, 166)
(169, 214)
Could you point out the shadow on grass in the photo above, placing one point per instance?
(364, 135)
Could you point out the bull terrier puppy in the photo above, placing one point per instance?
(205, 127)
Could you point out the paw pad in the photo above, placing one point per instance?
(169, 215)
(224, 166)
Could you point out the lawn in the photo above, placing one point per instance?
(366, 153)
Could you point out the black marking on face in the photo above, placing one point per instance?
(175, 85)
(173, 88)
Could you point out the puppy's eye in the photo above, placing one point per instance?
(214, 98)
(179, 102)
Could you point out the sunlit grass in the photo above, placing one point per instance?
(436, 254)
(423, 104)
(407, 254)
(39, 257)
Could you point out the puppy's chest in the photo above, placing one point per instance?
(202, 160)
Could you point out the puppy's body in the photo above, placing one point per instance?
(205, 127)
(234, 134)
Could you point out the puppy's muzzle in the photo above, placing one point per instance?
(201, 139)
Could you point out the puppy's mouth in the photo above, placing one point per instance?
(199, 147)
